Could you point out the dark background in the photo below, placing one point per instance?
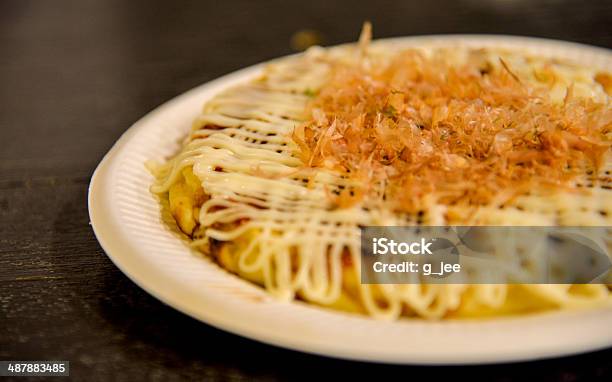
(74, 75)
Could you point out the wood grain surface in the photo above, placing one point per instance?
(74, 75)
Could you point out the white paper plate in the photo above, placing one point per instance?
(126, 220)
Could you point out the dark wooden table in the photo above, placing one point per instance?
(74, 75)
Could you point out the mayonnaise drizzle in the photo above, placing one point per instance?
(241, 150)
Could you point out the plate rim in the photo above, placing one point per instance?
(100, 206)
